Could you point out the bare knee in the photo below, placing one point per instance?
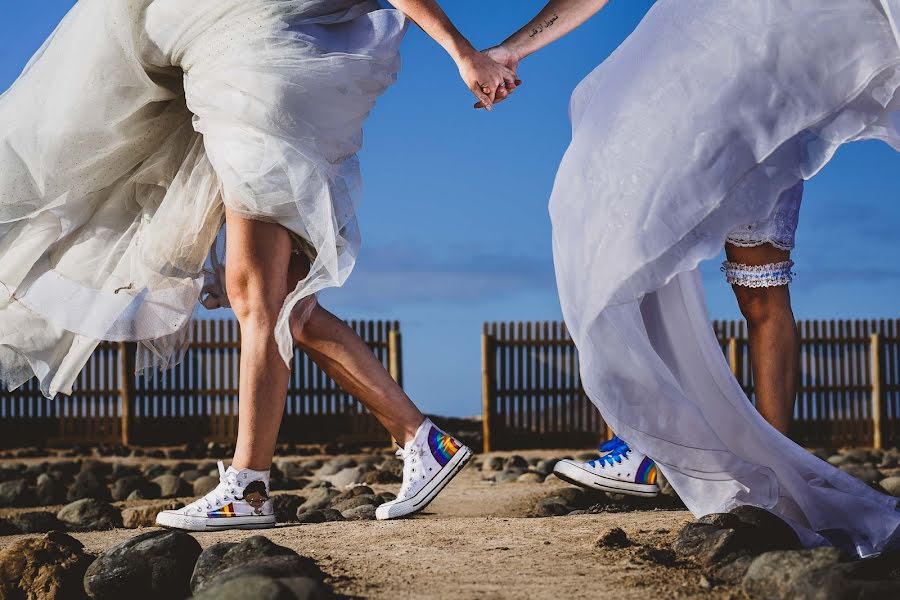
(763, 305)
(255, 302)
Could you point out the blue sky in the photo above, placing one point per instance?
(455, 219)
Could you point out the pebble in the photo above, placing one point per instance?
(89, 514)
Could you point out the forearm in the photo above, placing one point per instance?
(428, 15)
(556, 20)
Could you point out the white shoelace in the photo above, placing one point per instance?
(410, 459)
(217, 497)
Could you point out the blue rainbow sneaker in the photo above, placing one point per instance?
(240, 501)
(619, 469)
(430, 460)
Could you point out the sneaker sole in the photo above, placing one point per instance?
(582, 477)
(189, 523)
(424, 497)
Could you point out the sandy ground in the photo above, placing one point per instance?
(475, 541)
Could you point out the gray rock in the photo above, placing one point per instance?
(51, 567)
(286, 506)
(355, 502)
(145, 516)
(858, 455)
(318, 499)
(156, 564)
(864, 472)
(891, 485)
(348, 476)
(336, 465)
(205, 484)
(660, 556)
(16, 493)
(36, 522)
(292, 469)
(255, 555)
(551, 507)
(837, 460)
(366, 512)
(530, 477)
(50, 491)
(763, 531)
(730, 571)
(707, 544)
(359, 490)
(88, 485)
(508, 475)
(545, 467)
(493, 463)
(613, 538)
(515, 462)
(173, 486)
(123, 487)
(89, 514)
(263, 588)
(332, 515)
(311, 516)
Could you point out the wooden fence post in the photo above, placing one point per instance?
(395, 354)
(879, 421)
(127, 389)
(733, 357)
(487, 386)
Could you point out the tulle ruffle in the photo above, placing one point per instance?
(132, 129)
(697, 124)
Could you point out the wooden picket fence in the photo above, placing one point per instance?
(849, 388)
(196, 401)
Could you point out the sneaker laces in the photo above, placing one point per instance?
(614, 456)
(611, 444)
(217, 497)
(410, 458)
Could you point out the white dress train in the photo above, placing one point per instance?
(131, 129)
(695, 125)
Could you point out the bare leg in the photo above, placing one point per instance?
(774, 343)
(339, 351)
(257, 259)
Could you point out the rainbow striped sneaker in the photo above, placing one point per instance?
(240, 501)
(619, 469)
(430, 460)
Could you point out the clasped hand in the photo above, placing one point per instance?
(490, 75)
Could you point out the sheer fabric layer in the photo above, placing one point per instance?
(697, 124)
(135, 125)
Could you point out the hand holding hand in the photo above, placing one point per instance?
(488, 79)
(503, 56)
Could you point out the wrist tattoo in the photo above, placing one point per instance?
(544, 25)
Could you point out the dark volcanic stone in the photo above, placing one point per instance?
(318, 499)
(89, 515)
(262, 588)
(173, 486)
(88, 485)
(660, 556)
(36, 522)
(157, 564)
(705, 543)
(286, 506)
(311, 516)
(515, 462)
(50, 491)
(762, 531)
(16, 493)
(47, 568)
(366, 512)
(614, 538)
(332, 515)
(124, 486)
(256, 555)
(7, 528)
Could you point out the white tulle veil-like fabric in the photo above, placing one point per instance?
(133, 127)
(696, 125)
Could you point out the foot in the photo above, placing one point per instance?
(430, 461)
(240, 501)
(620, 469)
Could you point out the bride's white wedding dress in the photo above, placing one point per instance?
(131, 129)
(697, 124)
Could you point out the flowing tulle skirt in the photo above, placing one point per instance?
(133, 127)
(696, 125)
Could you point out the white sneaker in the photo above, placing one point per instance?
(620, 470)
(240, 501)
(430, 460)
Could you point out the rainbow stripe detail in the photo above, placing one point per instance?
(646, 473)
(225, 511)
(443, 447)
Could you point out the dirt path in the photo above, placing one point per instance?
(476, 542)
